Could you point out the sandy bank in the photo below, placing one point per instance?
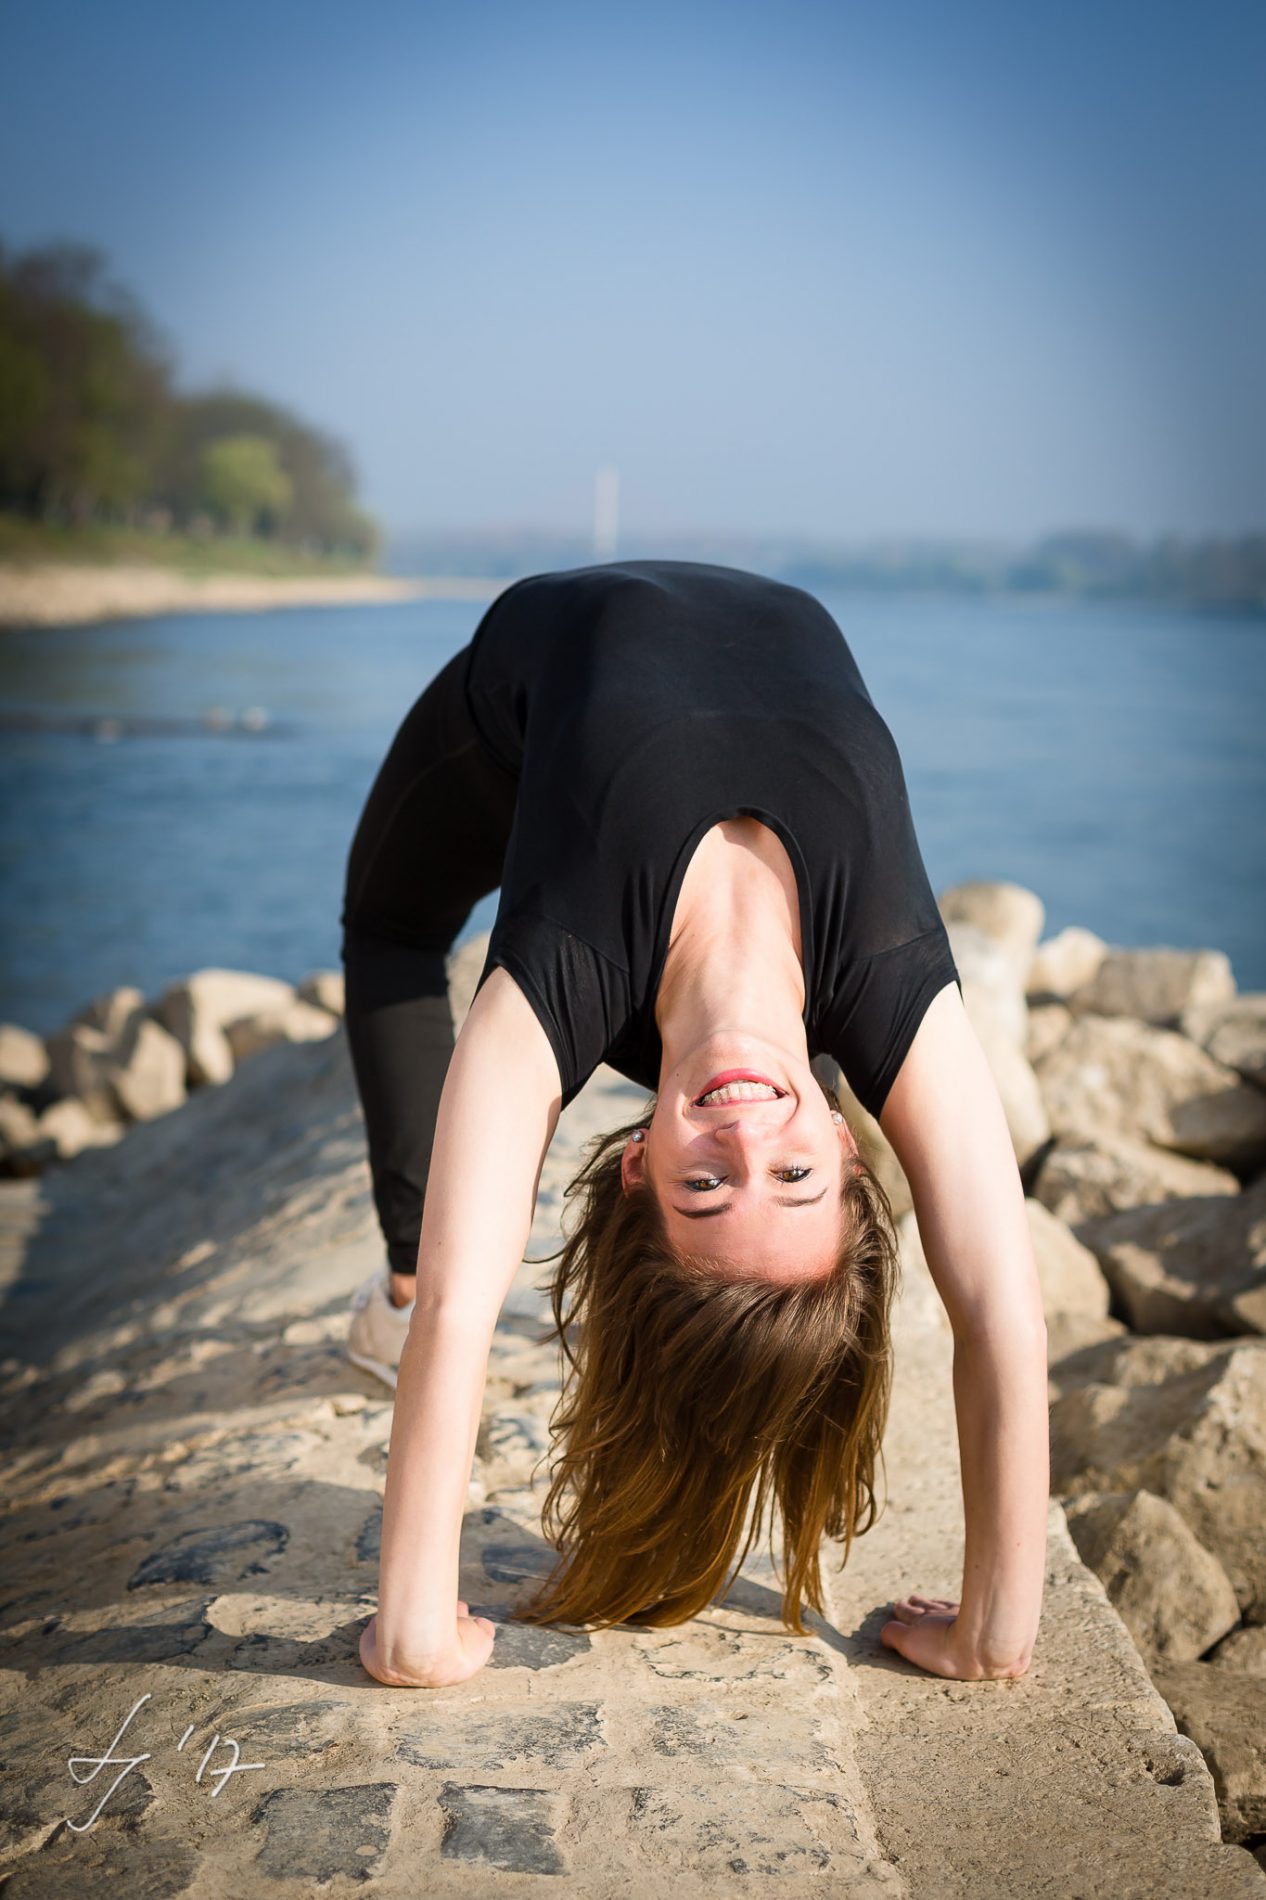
(44, 594)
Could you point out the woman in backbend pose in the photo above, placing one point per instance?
(709, 874)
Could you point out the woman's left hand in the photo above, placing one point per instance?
(925, 1631)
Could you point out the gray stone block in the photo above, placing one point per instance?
(319, 1835)
(511, 1828)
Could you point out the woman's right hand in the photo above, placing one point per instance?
(466, 1652)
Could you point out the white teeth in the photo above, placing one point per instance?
(740, 1092)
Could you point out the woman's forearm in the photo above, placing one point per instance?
(1000, 1394)
(439, 1399)
(497, 1113)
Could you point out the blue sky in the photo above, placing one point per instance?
(974, 270)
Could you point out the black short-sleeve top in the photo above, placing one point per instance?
(638, 703)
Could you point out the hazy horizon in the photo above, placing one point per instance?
(982, 276)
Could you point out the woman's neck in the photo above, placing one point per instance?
(733, 964)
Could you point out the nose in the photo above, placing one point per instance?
(747, 1125)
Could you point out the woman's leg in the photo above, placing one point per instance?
(430, 842)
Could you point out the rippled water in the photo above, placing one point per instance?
(1108, 756)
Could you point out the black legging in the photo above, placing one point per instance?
(430, 843)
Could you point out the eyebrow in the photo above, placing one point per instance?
(710, 1213)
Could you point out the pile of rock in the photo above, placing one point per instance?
(1134, 1083)
(123, 1060)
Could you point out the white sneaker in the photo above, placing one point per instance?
(376, 1336)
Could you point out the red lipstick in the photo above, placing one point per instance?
(736, 1075)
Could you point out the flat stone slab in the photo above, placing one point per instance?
(193, 1478)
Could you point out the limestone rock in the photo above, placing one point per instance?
(23, 1058)
(1244, 1649)
(111, 1014)
(1018, 1089)
(919, 1293)
(294, 1021)
(1009, 913)
(197, 1010)
(1195, 1267)
(992, 964)
(79, 1062)
(1085, 1180)
(1170, 1592)
(1113, 1073)
(1047, 1024)
(1065, 962)
(324, 990)
(1069, 1273)
(465, 967)
(1225, 1716)
(1134, 1363)
(1233, 1033)
(1155, 984)
(69, 1128)
(147, 1072)
(18, 1125)
(116, 1060)
(1183, 1419)
(1070, 1332)
(992, 980)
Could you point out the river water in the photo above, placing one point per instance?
(1107, 755)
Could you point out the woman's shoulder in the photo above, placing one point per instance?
(501, 1012)
(577, 996)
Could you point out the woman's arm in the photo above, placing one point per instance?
(945, 1121)
(498, 1111)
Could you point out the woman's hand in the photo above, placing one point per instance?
(925, 1631)
(468, 1651)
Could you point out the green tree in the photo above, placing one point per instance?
(321, 514)
(244, 484)
(83, 384)
(91, 427)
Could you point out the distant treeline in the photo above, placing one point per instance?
(92, 430)
(1227, 573)
(1207, 573)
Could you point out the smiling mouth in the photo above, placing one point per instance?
(738, 1085)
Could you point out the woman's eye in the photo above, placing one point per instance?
(703, 1184)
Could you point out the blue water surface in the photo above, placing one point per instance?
(1107, 755)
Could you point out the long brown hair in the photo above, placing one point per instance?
(685, 1392)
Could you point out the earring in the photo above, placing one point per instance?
(836, 1116)
(637, 1134)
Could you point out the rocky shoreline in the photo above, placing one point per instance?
(1134, 1082)
(47, 594)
